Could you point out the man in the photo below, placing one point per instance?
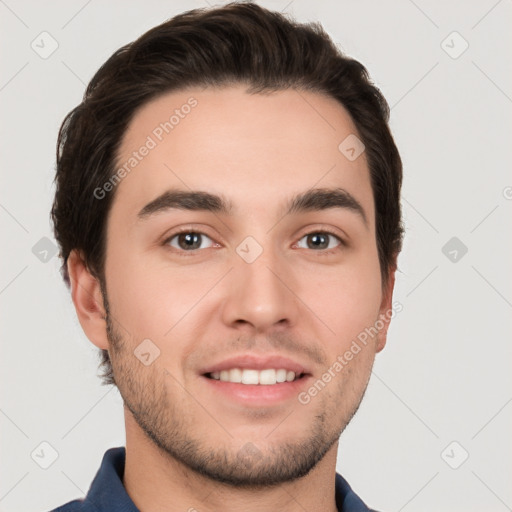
(228, 211)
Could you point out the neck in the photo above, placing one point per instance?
(155, 481)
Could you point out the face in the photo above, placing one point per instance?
(243, 283)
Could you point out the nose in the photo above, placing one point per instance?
(260, 295)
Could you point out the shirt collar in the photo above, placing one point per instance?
(107, 491)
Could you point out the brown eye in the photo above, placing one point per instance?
(321, 240)
(187, 241)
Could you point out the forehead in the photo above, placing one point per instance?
(257, 150)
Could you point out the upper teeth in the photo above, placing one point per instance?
(244, 376)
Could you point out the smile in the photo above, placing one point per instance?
(263, 377)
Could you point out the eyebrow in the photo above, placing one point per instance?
(312, 200)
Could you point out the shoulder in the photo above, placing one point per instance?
(73, 506)
(81, 505)
(346, 499)
(106, 492)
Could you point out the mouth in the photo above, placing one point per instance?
(251, 388)
(255, 380)
(255, 377)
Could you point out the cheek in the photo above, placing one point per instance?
(347, 299)
(154, 301)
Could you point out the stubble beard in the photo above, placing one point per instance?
(146, 396)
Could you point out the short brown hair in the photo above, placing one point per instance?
(239, 43)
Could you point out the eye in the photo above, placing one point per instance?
(321, 240)
(188, 241)
(192, 241)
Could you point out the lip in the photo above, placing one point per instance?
(255, 395)
(253, 362)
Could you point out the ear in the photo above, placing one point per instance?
(386, 310)
(88, 301)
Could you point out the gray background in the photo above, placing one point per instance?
(445, 375)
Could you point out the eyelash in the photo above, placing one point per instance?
(184, 253)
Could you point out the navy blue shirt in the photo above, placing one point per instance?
(107, 493)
